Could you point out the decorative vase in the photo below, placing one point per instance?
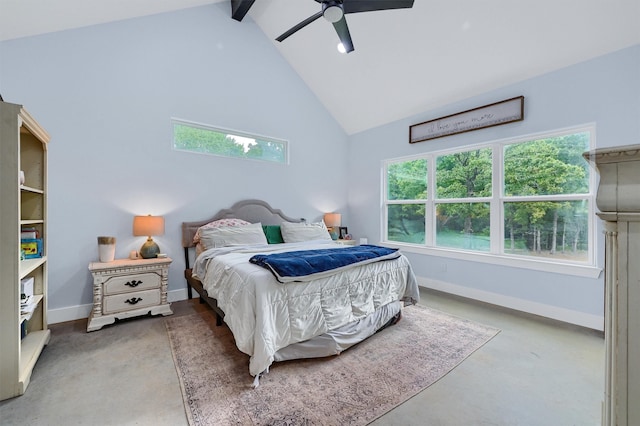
(106, 248)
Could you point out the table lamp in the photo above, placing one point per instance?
(333, 221)
(148, 226)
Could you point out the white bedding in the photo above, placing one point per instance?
(265, 315)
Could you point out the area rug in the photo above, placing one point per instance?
(353, 388)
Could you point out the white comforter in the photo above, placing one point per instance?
(265, 315)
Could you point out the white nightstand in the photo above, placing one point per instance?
(347, 242)
(127, 288)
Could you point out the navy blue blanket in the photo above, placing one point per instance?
(305, 265)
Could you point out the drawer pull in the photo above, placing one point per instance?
(133, 300)
(133, 283)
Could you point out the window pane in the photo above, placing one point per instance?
(464, 174)
(198, 138)
(463, 225)
(547, 166)
(547, 229)
(406, 223)
(407, 180)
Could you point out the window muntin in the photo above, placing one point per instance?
(528, 198)
(206, 139)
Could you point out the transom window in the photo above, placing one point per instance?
(204, 139)
(529, 198)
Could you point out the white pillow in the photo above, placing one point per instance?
(232, 236)
(220, 223)
(298, 232)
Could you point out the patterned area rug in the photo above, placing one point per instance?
(354, 388)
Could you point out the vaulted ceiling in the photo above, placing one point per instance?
(406, 61)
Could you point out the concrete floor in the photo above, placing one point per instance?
(535, 372)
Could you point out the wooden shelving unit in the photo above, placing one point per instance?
(23, 147)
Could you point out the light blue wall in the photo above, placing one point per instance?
(106, 94)
(604, 91)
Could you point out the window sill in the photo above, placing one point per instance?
(579, 270)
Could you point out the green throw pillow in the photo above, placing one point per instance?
(273, 234)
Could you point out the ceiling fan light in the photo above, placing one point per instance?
(333, 12)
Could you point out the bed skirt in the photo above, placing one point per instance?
(336, 341)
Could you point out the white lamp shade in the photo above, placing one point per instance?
(332, 219)
(148, 226)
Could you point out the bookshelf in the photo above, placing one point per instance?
(23, 147)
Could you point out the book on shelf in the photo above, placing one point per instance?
(29, 234)
(31, 248)
(26, 287)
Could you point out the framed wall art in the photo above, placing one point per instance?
(495, 114)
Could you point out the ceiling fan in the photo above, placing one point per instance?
(333, 11)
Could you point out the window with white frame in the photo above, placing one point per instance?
(204, 139)
(528, 198)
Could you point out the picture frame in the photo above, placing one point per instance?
(495, 114)
(342, 233)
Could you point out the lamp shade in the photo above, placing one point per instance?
(332, 219)
(148, 225)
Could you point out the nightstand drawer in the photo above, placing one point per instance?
(127, 301)
(129, 283)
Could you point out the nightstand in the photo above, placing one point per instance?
(347, 242)
(127, 288)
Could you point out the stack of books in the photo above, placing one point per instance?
(28, 302)
(27, 307)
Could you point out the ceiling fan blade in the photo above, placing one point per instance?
(301, 25)
(239, 8)
(355, 6)
(343, 33)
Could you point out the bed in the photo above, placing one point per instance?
(232, 265)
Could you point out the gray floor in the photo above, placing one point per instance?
(535, 372)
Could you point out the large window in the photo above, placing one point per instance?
(205, 139)
(529, 198)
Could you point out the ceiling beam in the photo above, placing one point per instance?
(239, 8)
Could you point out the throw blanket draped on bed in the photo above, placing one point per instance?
(307, 265)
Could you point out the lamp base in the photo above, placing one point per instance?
(149, 249)
(333, 232)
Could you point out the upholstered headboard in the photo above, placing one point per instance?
(250, 210)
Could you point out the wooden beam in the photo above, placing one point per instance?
(239, 8)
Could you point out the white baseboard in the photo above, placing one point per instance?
(561, 314)
(70, 313)
(73, 313)
(595, 322)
